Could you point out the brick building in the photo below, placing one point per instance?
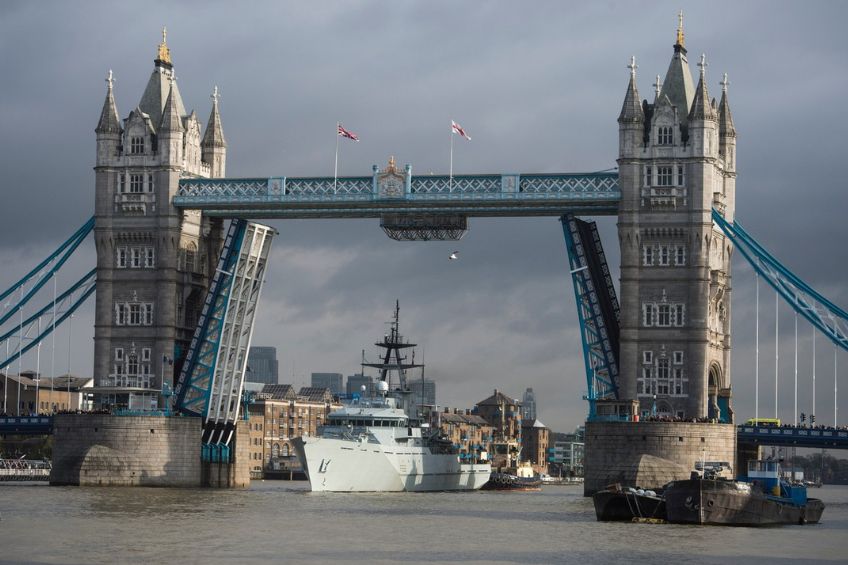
(278, 415)
(469, 433)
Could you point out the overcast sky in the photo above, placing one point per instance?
(538, 86)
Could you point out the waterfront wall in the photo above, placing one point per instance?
(650, 454)
(105, 450)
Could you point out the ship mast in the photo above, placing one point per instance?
(393, 360)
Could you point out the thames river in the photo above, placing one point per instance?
(281, 522)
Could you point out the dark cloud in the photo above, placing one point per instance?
(538, 86)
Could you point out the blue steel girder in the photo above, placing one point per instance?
(599, 340)
(194, 385)
(369, 197)
(827, 317)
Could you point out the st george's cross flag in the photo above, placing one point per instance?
(344, 133)
(456, 128)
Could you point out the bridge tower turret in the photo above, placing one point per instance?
(154, 261)
(675, 265)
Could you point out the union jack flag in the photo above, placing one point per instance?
(456, 128)
(348, 134)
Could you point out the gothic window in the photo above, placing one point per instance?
(680, 256)
(120, 314)
(119, 354)
(664, 315)
(150, 183)
(132, 364)
(680, 176)
(678, 357)
(647, 176)
(678, 315)
(135, 314)
(648, 255)
(121, 259)
(190, 258)
(149, 258)
(137, 145)
(648, 314)
(647, 357)
(664, 176)
(122, 182)
(135, 257)
(664, 135)
(662, 369)
(148, 314)
(136, 183)
(664, 255)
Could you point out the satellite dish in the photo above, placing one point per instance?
(454, 256)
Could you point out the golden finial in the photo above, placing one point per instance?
(164, 54)
(391, 166)
(680, 40)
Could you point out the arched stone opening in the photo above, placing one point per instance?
(713, 385)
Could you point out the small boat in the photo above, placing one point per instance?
(761, 498)
(626, 504)
(520, 477)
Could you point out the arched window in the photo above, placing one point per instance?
(275, 450)
(190, 258)
(285, 450)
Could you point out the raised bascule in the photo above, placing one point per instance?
(177, 287)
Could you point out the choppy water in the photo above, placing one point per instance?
(280, 522)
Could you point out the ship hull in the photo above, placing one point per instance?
(340, 465)
(615, 506)
(722, 503)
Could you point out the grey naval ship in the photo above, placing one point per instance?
(382, 443)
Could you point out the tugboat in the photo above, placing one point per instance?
(761, 499)
(381, 443)
(520, 477)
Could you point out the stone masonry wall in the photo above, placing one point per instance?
(650, 454)
(92, 450)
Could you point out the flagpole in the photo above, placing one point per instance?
(450, 177)
(336, 167)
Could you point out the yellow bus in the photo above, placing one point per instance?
(763, 422)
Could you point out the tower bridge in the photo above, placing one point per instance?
(177, 288)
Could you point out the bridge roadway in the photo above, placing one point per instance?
(392, 191)
(26, 425)
(793, 436)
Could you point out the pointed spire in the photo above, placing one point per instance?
(631, 110)
(171, 119)
(214, 136)
(701, 107)
(680, 42)
(109, 120)
(163, 54)
(725, 119)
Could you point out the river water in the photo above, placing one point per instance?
(281, 522)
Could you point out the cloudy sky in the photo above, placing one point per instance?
(538, 85)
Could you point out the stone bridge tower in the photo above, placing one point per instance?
(677, 161)
(154, 261)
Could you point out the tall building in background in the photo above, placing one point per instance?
(263, 366)
(423, 391)
(528, 406)
(332, 381)
(356, 381)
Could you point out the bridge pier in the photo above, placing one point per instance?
(160, 451)
(650, 454)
